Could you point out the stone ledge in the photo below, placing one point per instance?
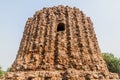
(69, 74)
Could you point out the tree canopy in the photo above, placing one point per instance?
(1, 72)
(113, 63)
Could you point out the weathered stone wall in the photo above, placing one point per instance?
(59, 41)
(70, 74)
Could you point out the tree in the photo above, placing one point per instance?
(1, 72)
(113, 63)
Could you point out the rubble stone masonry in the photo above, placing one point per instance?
(59, 43)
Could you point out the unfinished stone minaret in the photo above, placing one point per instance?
(59, 43)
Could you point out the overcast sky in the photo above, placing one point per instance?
(105, 15)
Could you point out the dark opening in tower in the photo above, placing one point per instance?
(60, 27)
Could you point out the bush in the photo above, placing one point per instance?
(1, 72)
(113, 63)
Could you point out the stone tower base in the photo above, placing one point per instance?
(69, 74)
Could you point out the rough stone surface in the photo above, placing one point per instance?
(59, 43)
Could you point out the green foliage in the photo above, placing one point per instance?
(113, 63)
(1, 72)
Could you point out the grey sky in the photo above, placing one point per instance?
(105, 15)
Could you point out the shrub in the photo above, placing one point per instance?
(1, 72)
(113, 63)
